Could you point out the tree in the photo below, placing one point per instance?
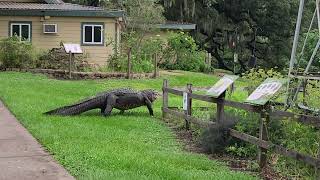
(143, 16)
(258, 28)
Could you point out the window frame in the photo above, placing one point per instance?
(92, 25)
(21, 23)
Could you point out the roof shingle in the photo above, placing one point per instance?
(40, 6)
(54, 1)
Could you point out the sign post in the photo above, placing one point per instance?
(187, 104)
(185, 101)
(72, 49)
(70, 64)
(219, 91)
(260, 97)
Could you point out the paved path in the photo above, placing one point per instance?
(21, 156)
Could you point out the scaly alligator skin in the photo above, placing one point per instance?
(122, 99)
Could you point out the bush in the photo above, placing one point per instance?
(257, 76)
(313, 37)
(182, 53)
(142, 57)
(17, 54)
(57, 58)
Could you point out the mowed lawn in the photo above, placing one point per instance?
(90, 146)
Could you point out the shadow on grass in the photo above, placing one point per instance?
(113, 114)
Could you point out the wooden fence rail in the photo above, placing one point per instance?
(265, 112)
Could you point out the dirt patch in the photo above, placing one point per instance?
(174, 73)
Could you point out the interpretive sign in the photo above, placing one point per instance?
(222, 85)
(185, 101)
(73, 48)
(265, 91)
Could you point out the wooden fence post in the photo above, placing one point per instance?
(70, 64)
(129, 65)
(263, 135)
(317, 169)
(164, 97)
(220, 108)
(155, 65)
(188, 112)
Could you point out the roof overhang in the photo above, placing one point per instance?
(177, 26)
(61, 13)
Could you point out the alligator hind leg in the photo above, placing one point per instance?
(110, 102)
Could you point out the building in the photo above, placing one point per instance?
(176, 26)
(46, 23)
(165, 29)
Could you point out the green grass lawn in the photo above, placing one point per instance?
(89, 146)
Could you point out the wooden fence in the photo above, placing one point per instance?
(265, 112)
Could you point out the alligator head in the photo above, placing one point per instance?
(151, 94)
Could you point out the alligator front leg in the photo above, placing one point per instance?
(149, 105)
(110, 102)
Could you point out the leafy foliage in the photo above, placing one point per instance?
(305, 56)
(182, 53)
(17, 54)
(142, 17)
(178, 52)
(257, 76)
(144, 14)
(57, 58)
(286, 132)
(142, 57)
(258, 28)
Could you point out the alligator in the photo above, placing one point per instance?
(122, 99)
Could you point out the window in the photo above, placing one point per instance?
(50, 28)
(92, 34)
(22, 30)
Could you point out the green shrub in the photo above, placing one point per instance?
(17, 54)
(304, 58)
(57, 58)
(142, 56)
(257, 76)
(182, 53)
(285, 132)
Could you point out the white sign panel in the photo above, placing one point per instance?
(222, 85)
(185, 101)
(265, 91)
(73, 48)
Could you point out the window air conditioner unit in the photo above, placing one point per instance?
(50, 28)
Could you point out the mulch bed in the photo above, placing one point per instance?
(64, 74)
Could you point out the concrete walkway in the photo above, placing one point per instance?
(21, 156)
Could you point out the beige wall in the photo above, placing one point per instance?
(69, 31)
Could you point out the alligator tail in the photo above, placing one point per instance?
(76, 109)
